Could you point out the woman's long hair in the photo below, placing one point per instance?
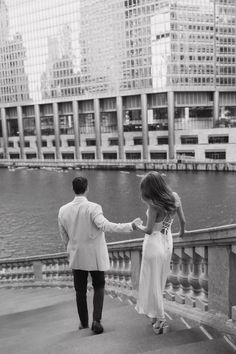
(154, 187)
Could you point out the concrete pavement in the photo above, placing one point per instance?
(45, 321)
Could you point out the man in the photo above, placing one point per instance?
(82, 226)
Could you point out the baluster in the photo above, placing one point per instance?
(3, 273)
(185, 286)
(115, 269)
(30, 271)
(194, 278)
(21, 272)
(109, 274)
(13, 273)
(44, 270)
(48, 270)
(136, 257)
(65, 271)
(59, 270)
(121, 267)
(173, 277)
(9, 271)
(56, 269)
(202, 300)
(127, 270)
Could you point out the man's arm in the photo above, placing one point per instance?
(63, 233)
(105, 225)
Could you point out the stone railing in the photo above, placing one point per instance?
(38, 270)
(203, 270)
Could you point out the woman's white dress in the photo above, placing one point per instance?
(155, 267)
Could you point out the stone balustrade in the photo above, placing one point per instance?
(46, 269)
(203, 270)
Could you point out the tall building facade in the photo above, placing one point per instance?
(118, 79)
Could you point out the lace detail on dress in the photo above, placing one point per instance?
(166, 224)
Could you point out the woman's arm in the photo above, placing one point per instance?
(181, 218)
(151, 219)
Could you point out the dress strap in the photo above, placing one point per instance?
(166, 224)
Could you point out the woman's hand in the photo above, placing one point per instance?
(181, 234)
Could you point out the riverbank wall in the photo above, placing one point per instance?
(173, 165)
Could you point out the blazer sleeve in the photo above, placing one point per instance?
(105, 225)
(62, 231)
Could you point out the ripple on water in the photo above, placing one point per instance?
(30, 201)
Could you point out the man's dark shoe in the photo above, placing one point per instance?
(82, 326)
(97, 328)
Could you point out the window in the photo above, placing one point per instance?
(27, 144)
(47, 125)
(54, 142)
(31, 156)
(138, 141)
(218, 139)
(158, 155)
(29, 126)
(10, 144)
(49, 156)
(110, 156)
(163, 140)
(44, 143)
(133, 155)
(215, 155)
(113, 141)
(88, 155)
(189, 140)
(14, 156)
(185, 153)
(67, 156)
(70, 142)
(91, 142)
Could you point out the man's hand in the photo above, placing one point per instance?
(136, 222)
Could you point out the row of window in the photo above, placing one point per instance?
(218, 139)
(135, 155)
(185, 140)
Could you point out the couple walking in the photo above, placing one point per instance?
(82, 226)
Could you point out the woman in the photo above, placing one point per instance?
(162, 204)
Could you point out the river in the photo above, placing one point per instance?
(30, 200)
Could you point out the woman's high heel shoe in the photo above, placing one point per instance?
(160, 327)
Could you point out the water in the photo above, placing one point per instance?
(30, 200)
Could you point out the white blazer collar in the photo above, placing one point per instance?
(80, 199)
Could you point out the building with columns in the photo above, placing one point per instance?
(118, 79)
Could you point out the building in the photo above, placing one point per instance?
(118, 79)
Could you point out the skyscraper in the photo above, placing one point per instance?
(118, 79)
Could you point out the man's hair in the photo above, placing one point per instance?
(80, 185)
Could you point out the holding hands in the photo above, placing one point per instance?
(136, 223)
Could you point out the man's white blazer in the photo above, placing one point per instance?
(82, 226)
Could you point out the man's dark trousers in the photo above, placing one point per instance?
(80, 284)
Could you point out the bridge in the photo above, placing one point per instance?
(39, 312)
